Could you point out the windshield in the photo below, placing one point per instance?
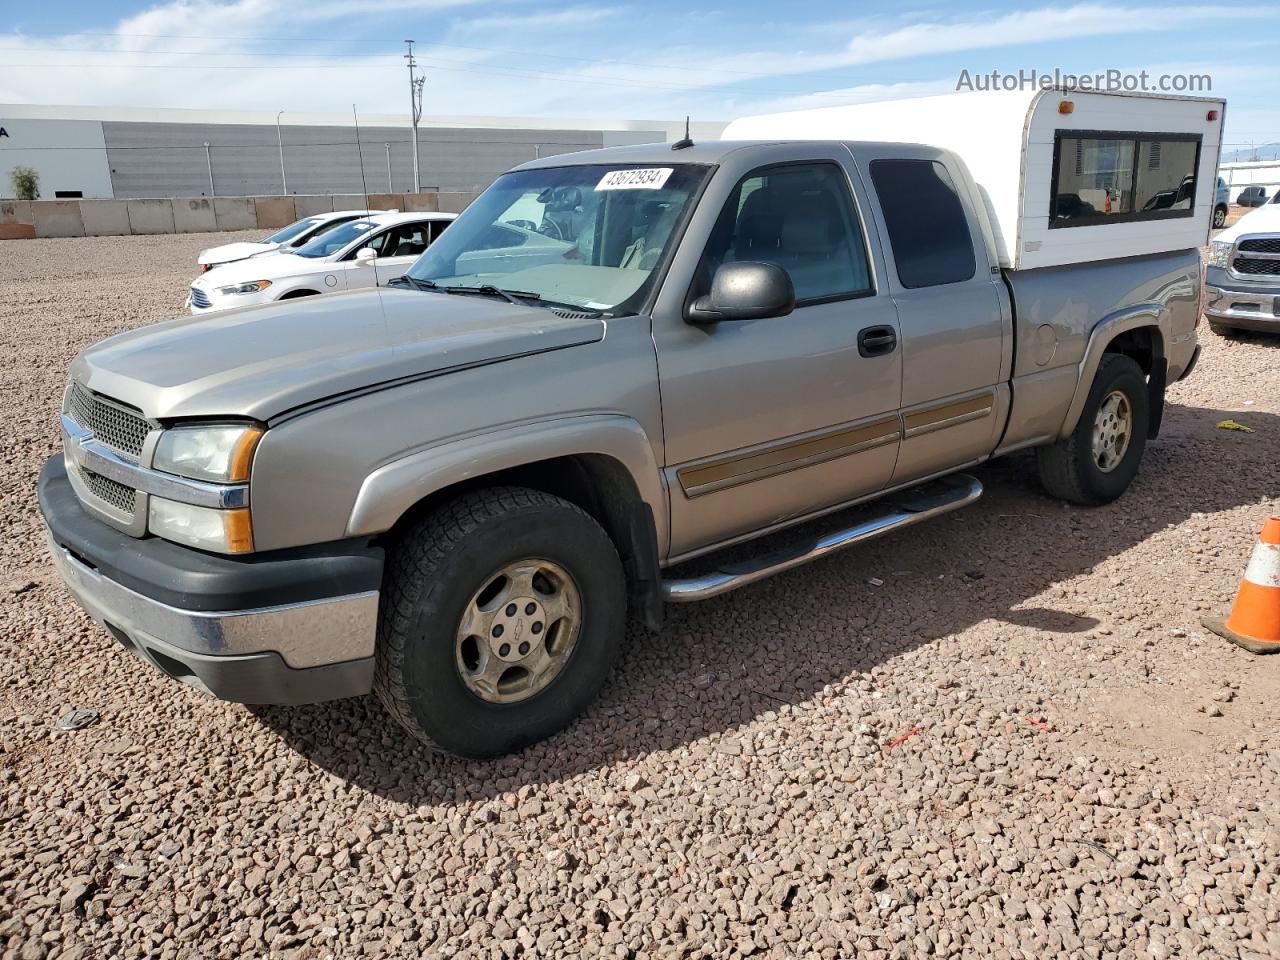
(331, 241)
(292, 230)
(587, 236)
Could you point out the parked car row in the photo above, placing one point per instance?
(355, 252)
(283, 240)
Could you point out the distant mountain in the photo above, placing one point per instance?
(1263, 151)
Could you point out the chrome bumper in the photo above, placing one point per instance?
(293, 653)
(1254, 306)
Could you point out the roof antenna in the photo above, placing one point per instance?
(687, 142)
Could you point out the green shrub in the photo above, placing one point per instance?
(26, 183)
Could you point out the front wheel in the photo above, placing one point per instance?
(502, 612)
(1219, 217)
(1100, 458)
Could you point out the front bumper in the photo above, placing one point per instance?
(286, 627)
(1245, 304)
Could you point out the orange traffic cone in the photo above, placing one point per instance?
(1255, 619)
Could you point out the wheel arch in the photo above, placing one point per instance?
(1138, 333)
(601, 463)
(299, 292)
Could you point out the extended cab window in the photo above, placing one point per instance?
(1102, 177)
(928, 230)
(800, 217)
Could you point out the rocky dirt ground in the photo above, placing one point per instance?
(999, 734)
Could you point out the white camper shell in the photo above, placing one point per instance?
(1067, 177)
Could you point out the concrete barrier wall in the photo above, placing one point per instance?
(16, 221)
(305, 206)
(58, 218)
(151, 216)
(27, 219)
(105, 218)
(194, 215)
(275, 212)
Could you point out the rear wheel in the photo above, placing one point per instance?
(1099, 460)
(502, 613)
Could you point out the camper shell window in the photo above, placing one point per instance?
(1112, 177)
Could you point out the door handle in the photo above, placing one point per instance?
(876, 341)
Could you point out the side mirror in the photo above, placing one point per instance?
(745, 291)
(366, 255)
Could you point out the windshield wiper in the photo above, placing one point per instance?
(420, 284)
(489, 290)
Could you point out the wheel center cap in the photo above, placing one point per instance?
(517, 629)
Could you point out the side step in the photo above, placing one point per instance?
(909, 507)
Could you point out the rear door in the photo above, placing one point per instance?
(954, 315)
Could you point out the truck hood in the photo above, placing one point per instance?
(261, 362)
(1265, 219)
(234, 251)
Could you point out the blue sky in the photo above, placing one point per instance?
(714, 59)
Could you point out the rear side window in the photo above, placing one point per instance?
(927, 226)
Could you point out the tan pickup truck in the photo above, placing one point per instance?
(451, 492)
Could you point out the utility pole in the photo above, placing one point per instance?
(415, 110)
(284, 181)
(208, 159)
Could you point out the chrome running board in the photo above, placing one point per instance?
(910, 507)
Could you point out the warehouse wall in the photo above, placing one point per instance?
(67, 154)
(169, 159)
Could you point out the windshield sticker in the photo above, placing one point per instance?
(650, 178)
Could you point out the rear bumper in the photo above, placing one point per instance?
(287, 627)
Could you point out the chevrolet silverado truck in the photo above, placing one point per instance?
(454, 491)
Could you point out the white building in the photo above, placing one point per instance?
(132, 152)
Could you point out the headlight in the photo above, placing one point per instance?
(220, 453)
(1219, 253)
(220, 531)
(256, 286)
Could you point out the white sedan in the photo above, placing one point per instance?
(283, 240)
(361, 253)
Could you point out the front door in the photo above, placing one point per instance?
(767, 420)
(397, 248)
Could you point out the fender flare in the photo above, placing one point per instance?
(1136, 317)
(390, 490)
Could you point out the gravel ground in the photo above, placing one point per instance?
(999, 734)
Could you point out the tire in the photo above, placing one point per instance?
(1223, 330)
(1219, 217)
(1069, 470)
(428, 675)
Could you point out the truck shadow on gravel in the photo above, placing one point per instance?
(724, 662)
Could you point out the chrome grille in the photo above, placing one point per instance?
(109, 422)
(1259, 245)
(110, 491)
(1255, 266)
(200, 299)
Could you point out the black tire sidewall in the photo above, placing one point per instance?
(451, 715)
(1117, 372)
